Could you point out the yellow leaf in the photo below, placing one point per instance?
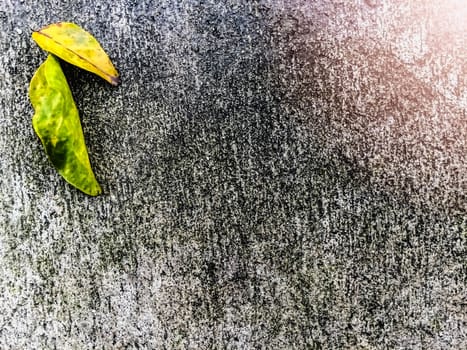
(73, 44)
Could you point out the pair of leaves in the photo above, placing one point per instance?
(56, 119)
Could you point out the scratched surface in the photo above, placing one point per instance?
(276, 174)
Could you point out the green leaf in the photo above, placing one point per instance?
(56, 122)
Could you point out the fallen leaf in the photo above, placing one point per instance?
(73, 44)
(56, 122)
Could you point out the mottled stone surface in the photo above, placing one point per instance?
(276, 174)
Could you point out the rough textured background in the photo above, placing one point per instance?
(277, 174)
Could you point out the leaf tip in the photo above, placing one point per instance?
(115, 81)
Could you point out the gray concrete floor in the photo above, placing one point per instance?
(276, 174)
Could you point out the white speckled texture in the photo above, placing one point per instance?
(276, 174)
